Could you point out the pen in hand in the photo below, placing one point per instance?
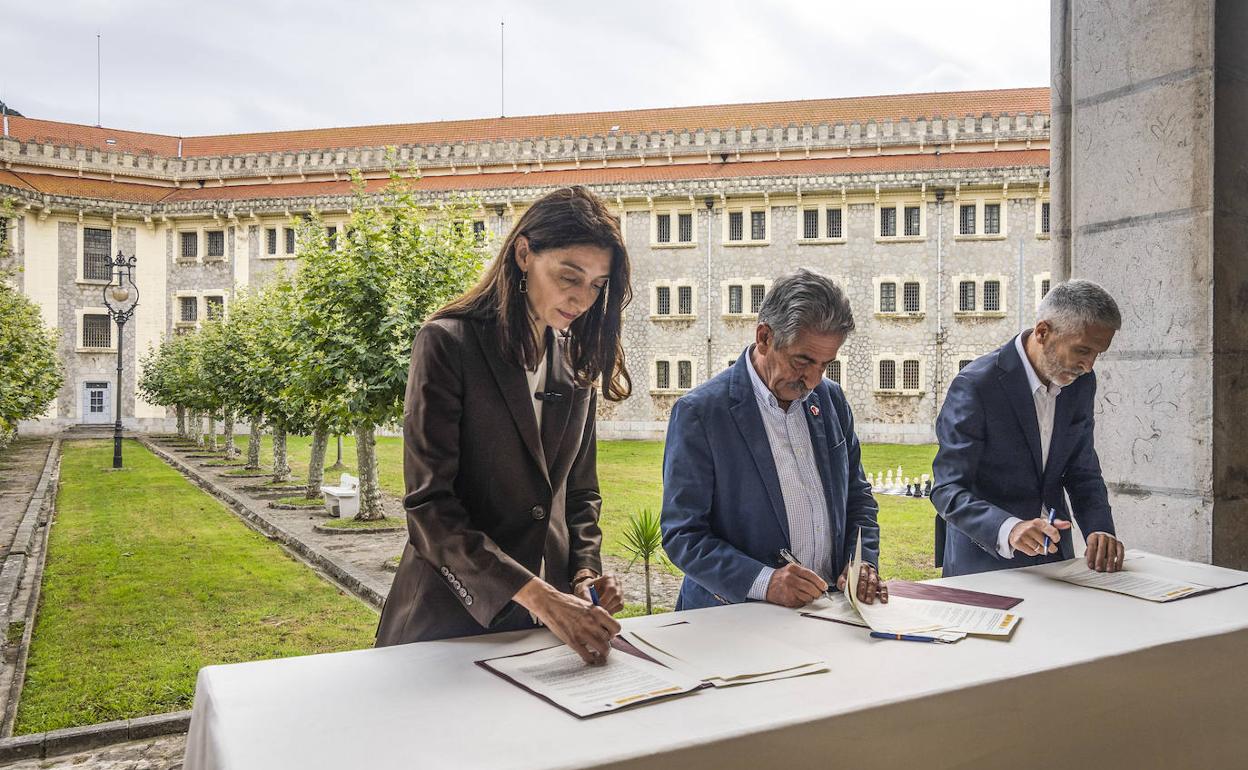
(1052, 513)
(791, 559)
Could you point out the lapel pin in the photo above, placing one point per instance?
(814, 410)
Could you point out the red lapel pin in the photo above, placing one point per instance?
(814, 410)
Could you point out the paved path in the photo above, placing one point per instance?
(20, 467)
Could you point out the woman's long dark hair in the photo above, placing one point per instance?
(572, 216)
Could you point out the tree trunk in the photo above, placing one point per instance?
(212, 432)
(253, 446)
(316, 465)
(197, 428)
(231, 451)
(181, 412)
(338, 464)
(366, 463)
(281, 468)
(649, 609)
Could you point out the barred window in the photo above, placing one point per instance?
(888, 297)
(1044, 217)
(833, 372)
(912, 220)
(684, 300)
(966, 219)
(188, 309)
(888, 222)
(810, 223)
(4, 233)
(966, 296)
(1044, 288)
(888, 374)
(663, 228)
(684, 228)
(97, 247)
(478, 232)
(992, 296)
(96, 330)
(992, 218)
(736, 302)
(910, 375)
(216, 243)
(663, 300)
(190, 245)
(290, 240)
(271, 240)
(962, 364)
(662, 375)
(835, 224)
(214, 307)
(910, 296)
(684, 375)
(735, 225)
(758, 225)
(331, 235)
(757, 293)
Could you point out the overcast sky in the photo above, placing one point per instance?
(225, 66)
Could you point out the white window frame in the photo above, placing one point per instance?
(901, 281)
(1038, 283)
(675, 285)
(746, 285)
(979, 281)
(112, 340)
(177, 246)
(899, 364)
(844, 371)
(673, 363)
(203, 303)
(979, 201)
(79, 278)
(900, 205)
(746, 210)
(822, 223)
(225, 244)
(1040, 203)
(674, 212)
(178, 323)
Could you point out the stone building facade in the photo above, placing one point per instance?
(930, 210)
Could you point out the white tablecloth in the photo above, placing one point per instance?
(1090, 679)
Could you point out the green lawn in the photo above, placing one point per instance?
(630, 474)
(147, 579)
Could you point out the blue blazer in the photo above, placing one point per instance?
(988, 466)
(723, 514)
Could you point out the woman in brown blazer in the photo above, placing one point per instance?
(499, 453)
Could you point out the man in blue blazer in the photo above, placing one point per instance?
(1016, 437)
(763, 460)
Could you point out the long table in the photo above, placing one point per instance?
(1090, 679)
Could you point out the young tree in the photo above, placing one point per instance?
(30, 371)
(643, 538)
(361, 301)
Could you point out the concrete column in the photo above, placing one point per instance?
(1147, 164)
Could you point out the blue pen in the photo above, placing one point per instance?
(903, 637)
(1052, 513)
(593, 595)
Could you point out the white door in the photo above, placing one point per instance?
(97, 406)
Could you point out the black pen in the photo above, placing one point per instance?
(791, 559)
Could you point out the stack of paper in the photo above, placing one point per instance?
(1148, 576)
(896, 617)
(721, 659)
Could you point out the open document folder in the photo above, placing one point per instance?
(1147, 576)
(724, 660)
(558, 676)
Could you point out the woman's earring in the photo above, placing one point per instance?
(524, 283)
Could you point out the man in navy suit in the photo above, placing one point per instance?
(1016, 437)
(763, 459)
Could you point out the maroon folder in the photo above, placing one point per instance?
(946, 594)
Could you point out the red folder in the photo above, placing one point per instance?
(946, 594)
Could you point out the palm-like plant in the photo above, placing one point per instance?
(643, 538)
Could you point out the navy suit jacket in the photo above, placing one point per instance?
(723, 513)
(988, 466)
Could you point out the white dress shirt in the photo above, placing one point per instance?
(1045, 399)
(805, 506)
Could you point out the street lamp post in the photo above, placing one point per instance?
(121, 297)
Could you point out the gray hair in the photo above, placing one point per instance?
(805, 301)
(1078, 304)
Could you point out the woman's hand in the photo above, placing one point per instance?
(582, 626)
(610, 597)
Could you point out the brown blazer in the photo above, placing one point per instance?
(486, 496)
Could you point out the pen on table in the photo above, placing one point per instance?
(1052, 513)
(791, 559)
(903, 637)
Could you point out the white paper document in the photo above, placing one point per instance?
(721, 658)
(1147, 576)
(896, 617)
(838, 608)
(558, 675)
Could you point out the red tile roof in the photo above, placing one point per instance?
(858, 108)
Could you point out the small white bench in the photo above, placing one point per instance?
(343, 500)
